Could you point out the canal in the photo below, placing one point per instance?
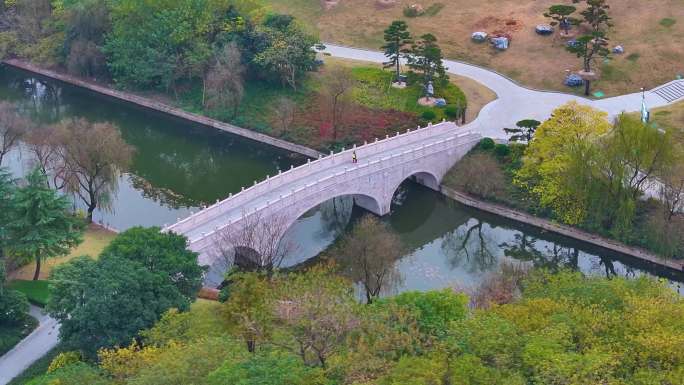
(179, 166)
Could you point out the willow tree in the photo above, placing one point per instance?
(12, 128)
(94, 155)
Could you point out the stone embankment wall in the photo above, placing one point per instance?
(161, 107)
(561, 229)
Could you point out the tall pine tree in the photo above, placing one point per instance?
(426, 58)
(397, 41)
(42, 226)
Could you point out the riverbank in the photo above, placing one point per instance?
(164, 108)
(148, 103)
(561, 229)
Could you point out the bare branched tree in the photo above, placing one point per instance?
(672, 189)
(338, 83)
(30, 19)
(478, 174)
(258, 242)
(85, 58)
(12, 128)
(46, 150)
(319, 311)
(370, 253)
(94, 155)
(500, 286)
(224, 82)
(284, 112)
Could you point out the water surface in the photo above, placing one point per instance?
(179, 166)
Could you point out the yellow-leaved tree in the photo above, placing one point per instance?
(556, 165)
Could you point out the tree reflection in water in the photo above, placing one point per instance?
(40, 100)
(470, 246)
(335, 216)
(165, 196)
(523, 248)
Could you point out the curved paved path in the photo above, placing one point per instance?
(514, 101)
(31, 348)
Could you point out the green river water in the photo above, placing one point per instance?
(179, 166)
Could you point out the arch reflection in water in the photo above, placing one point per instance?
(450, 245)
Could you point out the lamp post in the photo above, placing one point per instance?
(645, 114)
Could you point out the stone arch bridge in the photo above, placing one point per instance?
(425, 153)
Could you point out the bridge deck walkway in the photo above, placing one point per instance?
(268, 191)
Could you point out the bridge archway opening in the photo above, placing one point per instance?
(424, 178)
(244, 258)
(324, 222)
(427, 179)
(413, 196)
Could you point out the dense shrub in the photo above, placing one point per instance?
(478, 174)
(13, 307)
(502, 150)
(487, 144)
(452, 94)
(13, 304)
(428, 115)
(452, 111)
(64, 359)
(74, 374)
(8, 44)
(268, 368)
(434, 310)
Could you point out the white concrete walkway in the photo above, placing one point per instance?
(514, 102)
(31, 348)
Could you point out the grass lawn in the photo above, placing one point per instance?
(672, 118)
(94, 240)
(12, 334)
(36, 291)
(652, 33)
(477, 95)
(378, 109)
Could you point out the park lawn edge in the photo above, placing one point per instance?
(37, 292)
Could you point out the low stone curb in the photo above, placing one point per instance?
(164, 108)
(565, 230)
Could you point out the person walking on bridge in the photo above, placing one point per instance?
(354, 158)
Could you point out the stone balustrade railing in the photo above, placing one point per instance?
(332, 181)
(311, 167)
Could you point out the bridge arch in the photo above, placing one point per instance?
(426, 154)
(366, 201)
(425, 177)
